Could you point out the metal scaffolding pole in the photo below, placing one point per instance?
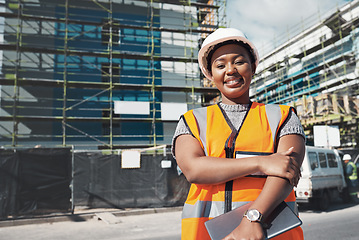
(65, 75)
(16, 77)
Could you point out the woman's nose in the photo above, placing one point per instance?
(231, 69)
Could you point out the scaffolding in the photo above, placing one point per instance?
(65, 63)
(316, 72)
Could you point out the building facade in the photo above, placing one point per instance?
(316, 71)
(101, 74)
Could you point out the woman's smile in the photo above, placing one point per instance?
(234, 82)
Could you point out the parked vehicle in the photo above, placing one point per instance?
(322, 178)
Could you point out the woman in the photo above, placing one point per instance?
(236, 151)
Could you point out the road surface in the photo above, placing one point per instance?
(341, 221)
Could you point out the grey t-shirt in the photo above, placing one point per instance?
(236, 114)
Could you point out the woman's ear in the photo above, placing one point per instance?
(253, 68)
(210, 73)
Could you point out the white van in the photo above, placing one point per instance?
(322, 177)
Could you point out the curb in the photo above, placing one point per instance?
(83, 215)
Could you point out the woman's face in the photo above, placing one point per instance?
(232, 72)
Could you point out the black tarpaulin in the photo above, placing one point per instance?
(99, 181)
(36, 181)
(45, 179)
(8, 182)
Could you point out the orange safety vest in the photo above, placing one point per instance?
(218, 138)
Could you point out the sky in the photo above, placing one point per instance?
(268, 23)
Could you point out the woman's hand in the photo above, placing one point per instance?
(282, 164)
(246, 231)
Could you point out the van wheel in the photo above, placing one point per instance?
(323, 203)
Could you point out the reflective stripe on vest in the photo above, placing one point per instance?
(211, 209)
(274, 115)
(201, 116)
(354, 175)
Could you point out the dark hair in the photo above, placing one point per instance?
(240, 43)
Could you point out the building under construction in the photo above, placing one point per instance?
(102, 73)
(116, 74)
(108, 74)
(316, 71)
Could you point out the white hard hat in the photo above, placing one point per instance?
(346, 157)
(219, 36)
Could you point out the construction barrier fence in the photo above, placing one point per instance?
(47, 180)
